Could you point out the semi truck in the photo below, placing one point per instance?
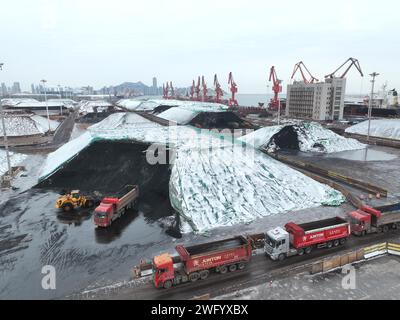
(196, 262)
(298, 239)
(374, 220)
(112, 208)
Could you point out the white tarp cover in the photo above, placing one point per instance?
(214, 182)
(310, 135)
(15, 159)
(27, 125)
(385, 128)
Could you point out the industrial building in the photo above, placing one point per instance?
(317, 101)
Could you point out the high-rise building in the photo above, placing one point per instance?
(4, 90)
(154, 90)
(16, 88)
(33, 89)
(317, 101)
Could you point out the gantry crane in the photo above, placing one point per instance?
(353, 62)
(298, 66)
(276, 88)
(197, 89)
(192, 90)
(204, 85)
(218, 91)
(232, 101)
(172, 90)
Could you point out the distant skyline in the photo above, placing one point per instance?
(101, 43)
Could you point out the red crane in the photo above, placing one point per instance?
(298, 66)
(197, 89)
(276, 88)
(354, 62)
(165, 91)
(204, 85)
(218, 91)
(192, 90)
(172, 90)
(232, 101)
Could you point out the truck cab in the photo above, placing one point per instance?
(360, 222)
(103, 213)
(163, 271)
(277, 243)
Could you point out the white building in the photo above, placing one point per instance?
(317, 101)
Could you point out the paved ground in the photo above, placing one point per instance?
(374, 279)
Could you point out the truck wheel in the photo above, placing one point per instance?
(223, 269)
(89, 204)
(204, 274)
(363, 233)
(67, 207)
(167, 284)
(300, 252)
(394, 226)
(385, 228)
(342, 241)
(241, 266)
(336, 243)
(194, 276)
(308, 250)
(232, 268)
(329, 244)
(281, 257)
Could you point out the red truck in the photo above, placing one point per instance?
(111, 209)
(373, 220)
(196, 262)
(299, 239)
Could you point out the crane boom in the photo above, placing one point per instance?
(232, 101)
(276, 88)
(204, 85)
(354, 62)
(218, 91)
(197, 89)
(298, 66)
(192, 90)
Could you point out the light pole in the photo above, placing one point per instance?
(47, 106)
(373, 75)
(59, 92)
(5, 133)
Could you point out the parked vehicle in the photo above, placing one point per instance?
(372, 220)
(111, 208)
(73, 200)
(196, 262)
(299, 239)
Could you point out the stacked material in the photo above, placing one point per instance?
(214, 182)
(27, 125)
(384, 128)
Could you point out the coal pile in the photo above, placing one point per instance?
(287, 138)
(220, 120)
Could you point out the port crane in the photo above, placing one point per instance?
(232, 101)
(197, 89)
(172, 90)
(192, 90)
(354, 62)
(299, 67)
(218, 91)
(276, 88)
(204, 85)
(165, 91)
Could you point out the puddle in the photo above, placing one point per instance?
(362, 155)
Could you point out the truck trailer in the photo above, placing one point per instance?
(196, 262)
(112, 208)
(299, 239)
(374, 220)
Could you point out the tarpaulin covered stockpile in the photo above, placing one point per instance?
(385, 128)
(27, 125)
(214, 181)
(310, 137)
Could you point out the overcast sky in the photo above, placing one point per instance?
(96, 42)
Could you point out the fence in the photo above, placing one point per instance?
(354, 256)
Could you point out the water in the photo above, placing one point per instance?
(253, 99)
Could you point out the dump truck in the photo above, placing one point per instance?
(374, 220)
(299, 239)
(73, 200)
(196, 262)
(112, 208)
